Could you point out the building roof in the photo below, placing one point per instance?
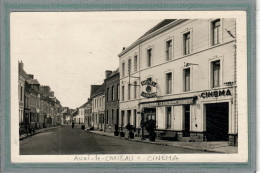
(74, 113)
(100, 90)
(160, 27)
(113, 73)
(93, 89)
(33, 82)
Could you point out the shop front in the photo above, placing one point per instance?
(172, 117)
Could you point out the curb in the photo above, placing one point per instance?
(143, 141)
(21, 138)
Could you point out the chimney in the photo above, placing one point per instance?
(52, 93)
(30, 76)
(108, 73)
(21, 65)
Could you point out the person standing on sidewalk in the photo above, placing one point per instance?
(72, 124)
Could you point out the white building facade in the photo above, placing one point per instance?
(183, 75)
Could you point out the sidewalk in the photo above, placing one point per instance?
(38, 131)
(220, 147)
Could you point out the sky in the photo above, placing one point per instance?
(70, 51)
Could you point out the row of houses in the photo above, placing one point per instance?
(38, 107)
(182, 74)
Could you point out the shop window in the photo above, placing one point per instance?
(129, 117)
(122, 118)
(168, 83)
(168, 50)
(149, 57)
(186, 41)
(168, 117)
(135, 62)
(216, 74)
(187, 79)
(107, 117)
(134, 121)
(216, 32)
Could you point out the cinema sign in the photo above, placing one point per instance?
(148, 89)
(217, 93)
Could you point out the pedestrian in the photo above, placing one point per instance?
(72, 124)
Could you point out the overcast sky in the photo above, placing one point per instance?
(71, 51)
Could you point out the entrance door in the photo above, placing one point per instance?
(217, 121)
(186, 132)
(150, 113)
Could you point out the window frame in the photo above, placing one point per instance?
(184, 79)
(213, 27)
(166, 82)
(184, 43)
(168, 119)
(149, 57)
(210, 72)
(167, 51)
(123, 69)
(135, 63)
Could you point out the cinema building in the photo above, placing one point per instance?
(182, 73)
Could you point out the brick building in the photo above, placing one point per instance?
(111, 100)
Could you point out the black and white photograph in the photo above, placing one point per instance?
(128, 86)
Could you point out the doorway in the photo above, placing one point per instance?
(186, 132)
(217, 121)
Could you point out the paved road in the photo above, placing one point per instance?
(65, 140)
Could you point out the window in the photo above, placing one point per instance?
(186, 38)
(107, 117)
(122, 118)
(129, 66)
(108, 93)
(129, 91)
(129, 117)
(123, 69)
(21, 94)
(215, 32)
(134, 121)
(135, 61)
(168, 83)
(123, 93)
(168, 50)
(187, 79)
(112, 94)
(169, 117)
(135, 90)
(112, 116)
(118, 94)
(149, 57)
(216, 73)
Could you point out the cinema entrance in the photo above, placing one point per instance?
(217, 121)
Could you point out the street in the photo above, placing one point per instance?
(65, 140)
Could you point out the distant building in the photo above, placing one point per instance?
(88, 113)
(98, 106)
(111, 100)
